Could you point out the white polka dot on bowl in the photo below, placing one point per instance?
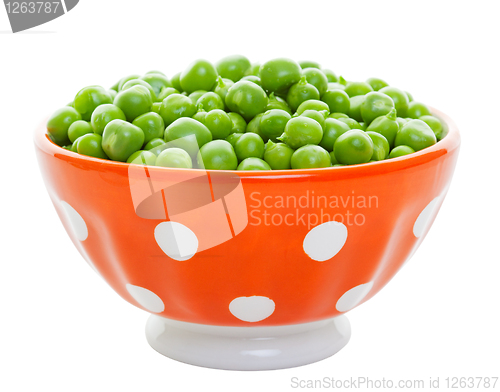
(424, 220)
(78, 225)
(146, 298)
(325, 241)
(176, 240)
(351, 298)
(252, 309)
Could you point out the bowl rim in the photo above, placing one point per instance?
(449, 143)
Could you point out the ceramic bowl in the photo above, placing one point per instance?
(248, 270)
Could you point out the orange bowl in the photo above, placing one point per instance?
(247, 248)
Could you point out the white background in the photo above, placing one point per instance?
(63, 329)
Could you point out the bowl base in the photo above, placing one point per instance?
(248, 348)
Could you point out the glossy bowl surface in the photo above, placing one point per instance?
(234, 248)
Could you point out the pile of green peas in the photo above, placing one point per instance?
(235, 115)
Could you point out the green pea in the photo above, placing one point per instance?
(246, 99)
(351, 123)
(112, 94)
(59, 123)
(336, 86)
(399, 98)
(355, 104)
(278, 155)
(278, 103)
(217, 155)
(103, 115)
(330, 75)
(401, 121)
(68, 147)
(176, 82)
(333, 159)
(353, 147)
(142, 157)
(157, 82)
(218, 123)
(279, 74)
(315, 115)
(338, 115)
(332, 130)
(381, 147)
(300, 92)
(211, 101)
(433, 122)
(417, 110)
(410, 97)
(195, 95)
(273, 122)
(252, 78)
(188, 134)
(89, 98)
(176, 106)
(140, 82)
(249, 145)
(377, 83)
(233, 67)
(310, 157)
(91, 145)
(300, 131)
(317, 78)
(357, 88)
(151, 124)
(125, 79)
(199, 75)
(253, 164)
(415, 134)
(337, 100)
(312, 104)
(233, 138)
(120, 139)
(239, 123)
(154, 143)
(155, 107)
(222, 88)
(134, 101)
(74, 146)
(387, 126)
(200, 114)
(375, 104)
(400, 151)
(77, 129)
(254, 127)
(174, 157)
(253, 70)
(157, 150)
(165, 92)
(154, 71)
(309, 64)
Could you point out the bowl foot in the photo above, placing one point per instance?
(248, 348)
